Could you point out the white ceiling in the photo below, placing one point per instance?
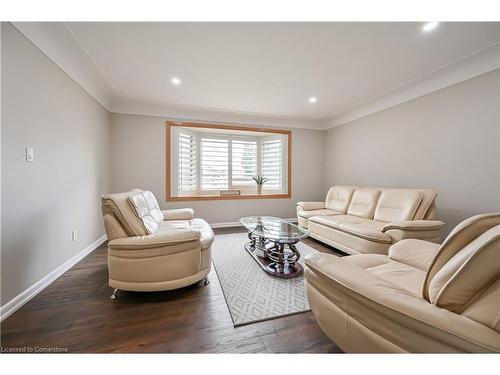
(272, 68)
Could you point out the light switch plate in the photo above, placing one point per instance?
(30, 154)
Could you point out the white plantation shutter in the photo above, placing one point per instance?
(210, 161)
(272, 163)
(214, 163)
(187, 179)
(244, 161)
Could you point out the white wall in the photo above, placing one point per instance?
(447, 140)
(138, 160)
(43, 201)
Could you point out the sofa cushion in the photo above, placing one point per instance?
(397, 205)
(140, 207)
(458, 238)
(485, 309)
(153, 206)
(118, 205)
(336, 221)
(399, 274)
(206, 232)
(344, 241)
(414, 252)
(471, 271)
(366, 261)
(363, 202)
(357, 226)
(339, 197)
(402, 275)
(369, 232)
(322, 212)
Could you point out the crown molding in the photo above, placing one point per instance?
(190, 113)
(61, 46)
(470, 66)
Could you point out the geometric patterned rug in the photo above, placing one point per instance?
(251, 294)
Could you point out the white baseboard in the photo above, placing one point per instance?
(14, 304)
(231, 224)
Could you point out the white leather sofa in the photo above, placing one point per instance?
(422, 297)
(369, 220)
(150, 249)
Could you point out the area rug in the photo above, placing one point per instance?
(251, 294)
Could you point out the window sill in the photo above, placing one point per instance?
(227, 197)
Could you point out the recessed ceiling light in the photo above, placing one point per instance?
(176, 81)
(430, 26)
(313, 99)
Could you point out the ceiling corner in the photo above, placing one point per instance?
(475, 64)
(59, 44)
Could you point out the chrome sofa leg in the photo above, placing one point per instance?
(114, 296)
(206, 282)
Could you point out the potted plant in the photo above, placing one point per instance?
(259, 180)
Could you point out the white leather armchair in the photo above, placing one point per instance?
(150, 249)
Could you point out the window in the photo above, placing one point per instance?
(188, 170)
(272, 150)
(219, 162)
(214, 163)
(244, 160)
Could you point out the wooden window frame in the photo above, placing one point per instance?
(168, 152)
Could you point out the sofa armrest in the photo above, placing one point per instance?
(156, 240)
(178, 214)
(386, 309)
(415, 253)
(429, 230)
(413, 225)
(309, 206)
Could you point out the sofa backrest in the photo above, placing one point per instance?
(339, 197)
(134, 213)
(485, 308)
(427, 207)
(392, 204)
(113, 227)
(363, 202)
(153, 206)
(118, 207)
(397, 205)
(461, 236)
(140, 207)
(472, 269)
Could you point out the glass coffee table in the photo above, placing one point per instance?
(272, 245)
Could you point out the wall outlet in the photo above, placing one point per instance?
(73, 235)
(30, 154)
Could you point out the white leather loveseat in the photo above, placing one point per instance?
(369, 220)
(150, 249)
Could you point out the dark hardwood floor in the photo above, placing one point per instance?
(76, 314)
